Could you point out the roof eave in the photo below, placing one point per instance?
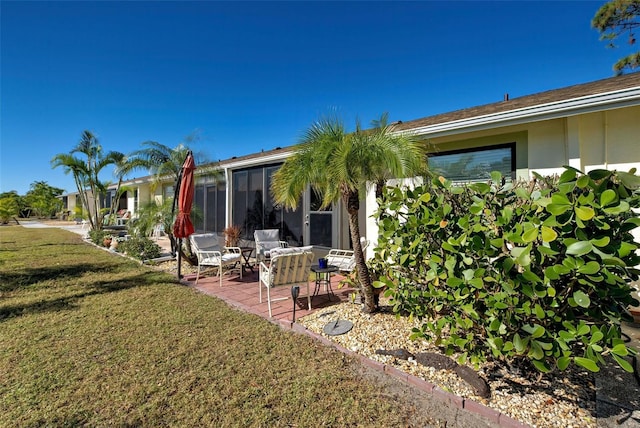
(258, 160)
(586, 104)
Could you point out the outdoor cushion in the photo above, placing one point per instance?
(205, 242)
(267, 240)
(267, 235)
(270, 245)
(205, 246)
(214, 260)
(289, 250)
(266, 248)
(342, 259)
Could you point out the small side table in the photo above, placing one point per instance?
(246, 255)
(323, 277)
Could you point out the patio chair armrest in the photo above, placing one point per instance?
(263, 267)
(210, 253)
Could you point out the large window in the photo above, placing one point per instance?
(320, 221)
(473, 165)
(254, 208)
(208, 213)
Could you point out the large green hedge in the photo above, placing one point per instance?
(537, 270)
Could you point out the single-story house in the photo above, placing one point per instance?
(588, 126)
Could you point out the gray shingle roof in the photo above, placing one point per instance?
(592, 88)
(555, 95)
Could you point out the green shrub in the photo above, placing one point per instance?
(8, 209)
(97, 236)
(537, 270)
(140, 248)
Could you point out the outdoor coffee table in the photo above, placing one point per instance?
(323, 277)
(246, 255)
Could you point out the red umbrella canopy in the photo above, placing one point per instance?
(183, 227)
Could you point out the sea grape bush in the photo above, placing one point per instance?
(536, 270)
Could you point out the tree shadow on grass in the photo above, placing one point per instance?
(16, 280)
(20, 245)
(69, 302)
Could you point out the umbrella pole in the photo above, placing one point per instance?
(179, 258)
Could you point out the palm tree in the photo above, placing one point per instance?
(124, 165)
(338, 165)
(161, 160)
(166, 162)
(86, 173)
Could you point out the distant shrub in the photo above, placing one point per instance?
(97, 236)
(539, 270)
(8, 209)
(140, 248)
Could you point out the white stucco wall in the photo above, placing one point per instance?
(547, 147)
(606, 139)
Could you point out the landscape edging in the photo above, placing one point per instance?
(435, 391)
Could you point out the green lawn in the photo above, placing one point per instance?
(90, 338)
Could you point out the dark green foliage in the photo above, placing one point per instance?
(140, 248)
(618, 18)
(43, 199)
(538, 270)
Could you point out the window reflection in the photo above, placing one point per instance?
(464, 166)
(208, 212)
(254, 207)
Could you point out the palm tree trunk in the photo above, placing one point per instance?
(84, 200)
(352, 201)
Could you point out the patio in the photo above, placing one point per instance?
(243, 294)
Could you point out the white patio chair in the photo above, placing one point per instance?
(267, 240)
(158, 231)
(289, 269)
(210, 253)
(345, 260)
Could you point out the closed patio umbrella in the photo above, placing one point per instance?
(183, 227)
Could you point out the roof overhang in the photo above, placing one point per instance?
(257, 160)
(570, 107)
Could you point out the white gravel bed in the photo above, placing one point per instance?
(565, 399)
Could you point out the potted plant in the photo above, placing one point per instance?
(232, 235)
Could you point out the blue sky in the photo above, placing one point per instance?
(246, 76)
